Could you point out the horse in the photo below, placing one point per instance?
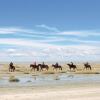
(56, 67)
(34, 67)
(43, 66)
(11, 68)
(87, 66)
(71, 66)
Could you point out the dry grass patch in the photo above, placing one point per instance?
(49, 72)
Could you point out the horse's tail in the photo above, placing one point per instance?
(75, 67)
(14, 68)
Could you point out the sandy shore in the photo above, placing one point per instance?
(51, 93)
(88, 91)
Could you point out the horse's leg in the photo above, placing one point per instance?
(53, 68)
(13, 69)
(37, 69)
(84, 68)
(9, 69)
(31, 69)
(34, 69)
(73, 69)
(41, 69)
(61, 68)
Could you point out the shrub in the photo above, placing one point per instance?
(13, 79)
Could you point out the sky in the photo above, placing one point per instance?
(49, 30)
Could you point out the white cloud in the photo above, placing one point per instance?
(52, 53)
(48, 27)
(80, 33)
(25, 42)
(12, 30)
(18, 54)
(71, 33)
(11, 50)
(45, 47)
(20, 31)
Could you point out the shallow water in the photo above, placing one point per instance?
(50, 79)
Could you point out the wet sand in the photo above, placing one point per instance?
(51, 93)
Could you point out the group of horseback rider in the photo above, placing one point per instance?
(43, 65)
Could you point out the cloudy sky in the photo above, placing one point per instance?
(49, 30)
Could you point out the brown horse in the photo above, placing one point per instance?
(11, 68)
(71, 66)
(43, 66)
(56, 67)
(87, 66)
(34, 67)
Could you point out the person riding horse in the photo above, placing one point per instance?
(43, 66)
(56, 66)
(34, 66)
(11, 67)
(87, 66)
(72, 66)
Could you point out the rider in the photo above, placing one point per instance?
(35, 63)
(71, 63)
(87, 63)
(43, 63)
(56, 63)
(11, 64)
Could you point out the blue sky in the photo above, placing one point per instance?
(49, 30)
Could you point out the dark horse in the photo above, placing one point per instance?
(34, 67)
(87, 66)
(71, 66)
(11, 67)
(56, 67)
(43, 66)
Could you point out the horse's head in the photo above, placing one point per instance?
(53, 65)
(85, 64)
(68, 64)
(31, 65)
